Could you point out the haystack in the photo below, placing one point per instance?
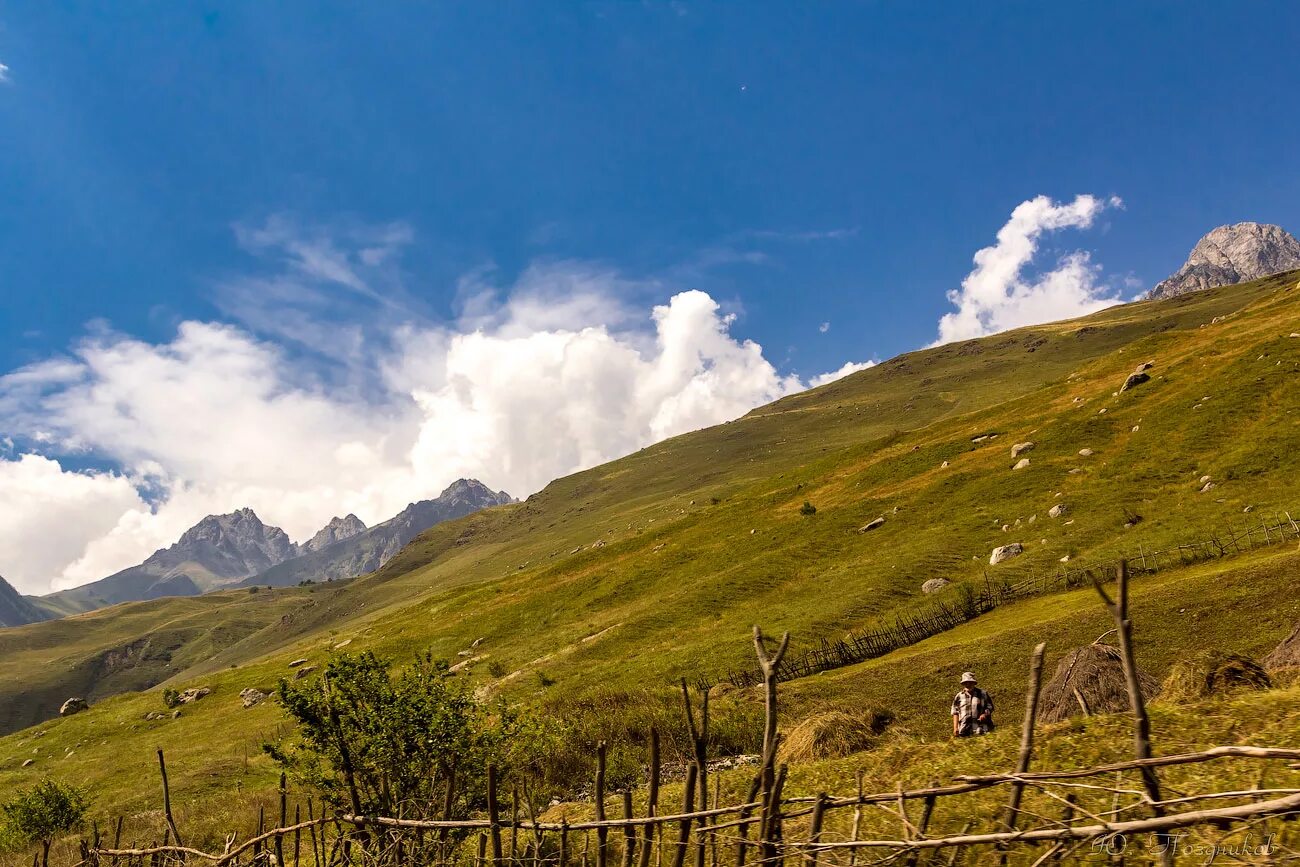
(834, 734)
(1212, 672)
(1089, 680)
(1285, 655)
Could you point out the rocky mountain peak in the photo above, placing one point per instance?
(336, 530)
(1232, 254)
(234, 544)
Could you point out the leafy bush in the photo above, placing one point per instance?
(807, 508)
(43, 812)
(171, 698)
(385, 743)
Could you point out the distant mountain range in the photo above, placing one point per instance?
(237, 549)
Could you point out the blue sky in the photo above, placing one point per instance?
(824, 172)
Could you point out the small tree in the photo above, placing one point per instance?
(385, 743)
(43, 812)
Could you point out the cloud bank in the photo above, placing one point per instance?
(303, 418)
(997, 295)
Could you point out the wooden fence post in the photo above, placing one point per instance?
(602, 833)
(684, 828)
(652, 800)
(494, 816)
(629, 830)
(815, 831)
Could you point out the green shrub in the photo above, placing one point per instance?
(807, 508)
(171, 698)
(382, 741)
(42, 813)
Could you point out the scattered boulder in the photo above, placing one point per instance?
(1058, 510)
(251, 697)
(934, 585)
(176, 714)
(73, 705)
(342, 644)
(1146, 365)
(297, 662)
(1295, 334)
(1021, 464)
(27, 763)
(1134, 379)
(1207, 487)
(304, 671)
(1086, 453)
(1020, 448)
(943, 466)
(1005, 552)
(193, 694)
(873, 524)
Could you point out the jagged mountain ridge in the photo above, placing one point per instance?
(16, 609)
(218, 550)
(336, 530)
(1232, 254)
(225, 550)
(366, 551)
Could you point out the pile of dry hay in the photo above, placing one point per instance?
(1285, 655)
(1212, 672)
(1089, 680)
(834, 734)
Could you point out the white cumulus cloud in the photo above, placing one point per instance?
(845, 370)
(998, 295)
(558, 371)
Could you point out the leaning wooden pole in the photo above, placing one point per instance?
(770, 665)
(167, 799)
(1118, 608)
(1026, 740)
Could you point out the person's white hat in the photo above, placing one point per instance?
(968, 677)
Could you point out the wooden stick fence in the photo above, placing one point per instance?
(1097, 810)
(971, 602)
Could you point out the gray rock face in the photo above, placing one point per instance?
(373, 547)
(251, 697)
(73, 705)
(215, 552)
(1134, 379)
(336, 530)
(1232, 254)
(934, 585)
(1006, 552)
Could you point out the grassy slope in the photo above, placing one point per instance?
(680, 578)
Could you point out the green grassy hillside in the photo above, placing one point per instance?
(655, 566)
